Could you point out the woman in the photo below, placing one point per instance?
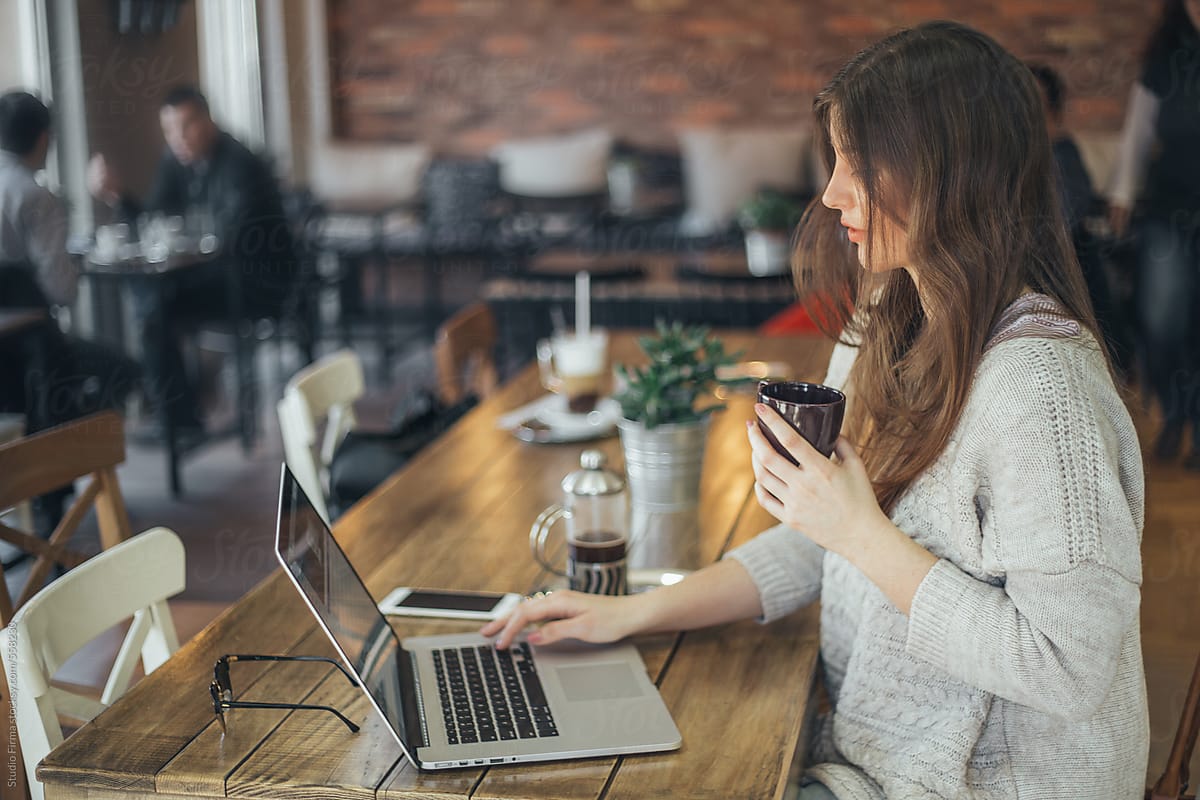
(976, 555)
(1160, 148)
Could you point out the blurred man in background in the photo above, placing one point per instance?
(216, 183)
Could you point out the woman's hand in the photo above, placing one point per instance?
(587, 617)
(830, 502)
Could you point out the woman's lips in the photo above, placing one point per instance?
(855, 235)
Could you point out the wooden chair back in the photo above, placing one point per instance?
(323, 391)
(12, 428)
(49, 460)
(465, 355)
(131, 579)
(1174, 780)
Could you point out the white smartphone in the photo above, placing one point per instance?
(447, 604)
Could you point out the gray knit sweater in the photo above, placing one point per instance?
(1018, 673)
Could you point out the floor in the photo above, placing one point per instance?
(226, 520)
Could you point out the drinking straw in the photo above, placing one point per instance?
(583, 304)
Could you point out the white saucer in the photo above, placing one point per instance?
(636, 580)
(567, 426)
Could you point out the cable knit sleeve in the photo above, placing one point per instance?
(786, 568)
(1059, 508)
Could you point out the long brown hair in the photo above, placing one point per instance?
(945, 130)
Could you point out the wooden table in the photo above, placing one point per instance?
(458, 516)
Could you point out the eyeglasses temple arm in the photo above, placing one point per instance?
(293, 706)
(251, 657)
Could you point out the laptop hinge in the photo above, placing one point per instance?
(420, 704)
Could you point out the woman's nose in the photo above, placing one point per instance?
(835, 197)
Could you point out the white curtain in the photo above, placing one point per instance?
(230, 69)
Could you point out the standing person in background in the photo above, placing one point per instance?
(1079, 202)
(206, 175)
(1160, 150)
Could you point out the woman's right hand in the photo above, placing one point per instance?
(570, 615)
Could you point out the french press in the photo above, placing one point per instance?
(595, 508)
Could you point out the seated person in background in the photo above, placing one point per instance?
(36, 272)
(33, 221)
(74, 377)
(212, 179)
(1078, 202)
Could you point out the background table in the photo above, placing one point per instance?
(157, 275)
(632, 290)
(458, 516)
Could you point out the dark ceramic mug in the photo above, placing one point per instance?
(815, 411)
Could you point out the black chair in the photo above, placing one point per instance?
(245, 329)
(463, 213)
(51, 377)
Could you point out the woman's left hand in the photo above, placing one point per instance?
(830, 502)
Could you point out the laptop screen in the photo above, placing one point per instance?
(306, 548)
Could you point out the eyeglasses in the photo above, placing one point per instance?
(222, 690)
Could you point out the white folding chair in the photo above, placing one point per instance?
(324, 390)
(131, 579)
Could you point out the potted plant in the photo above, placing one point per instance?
(666, 405)
(767, 220)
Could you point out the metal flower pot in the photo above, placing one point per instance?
(663, 463)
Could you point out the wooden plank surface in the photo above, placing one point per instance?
(457, 516)
(313, 755)
(522, 480)
(127, 745)
(725, 486)
(202, 767)
(772, 668)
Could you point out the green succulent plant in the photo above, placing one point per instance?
(680, 376)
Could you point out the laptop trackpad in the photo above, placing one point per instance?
(598, 681)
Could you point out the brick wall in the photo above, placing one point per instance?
(124, 79)
(465, 74)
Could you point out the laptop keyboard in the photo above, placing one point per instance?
(491, 695)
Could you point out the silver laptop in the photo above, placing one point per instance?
(456, 701)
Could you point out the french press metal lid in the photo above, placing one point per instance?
(593, 478)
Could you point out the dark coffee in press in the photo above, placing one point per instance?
(596, 562)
